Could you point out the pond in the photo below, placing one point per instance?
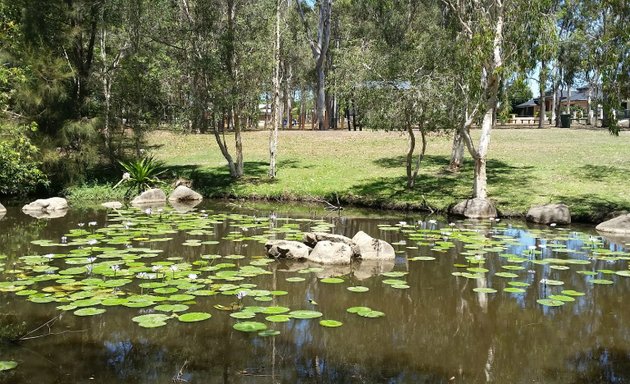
(161, 296)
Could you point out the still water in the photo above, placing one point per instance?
(438, 330)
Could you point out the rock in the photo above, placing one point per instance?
(113, 205)
(2, 209)
(549, 213)
(328, 252)
(373, 249)
(150, 196)
(46, 205)
(47, 215)
(183, 193)
(312, 238)
(285, 249)
(368, 268)
(620, 225)
(476, 208)
(185, 206)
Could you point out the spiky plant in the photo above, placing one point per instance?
(142, 174)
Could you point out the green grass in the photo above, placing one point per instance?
(586, 169)
(88, 193)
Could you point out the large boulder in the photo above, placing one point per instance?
(312, 238)
(373, 249)
(2, 209)
(328, 252)
(113, 204)
(620, 225)
(285, 249)
(150, 196)
(183, 193)
(549, 213)
(476, 208)
(53, 204)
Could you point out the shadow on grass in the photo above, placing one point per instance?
(508, 183)
(603, 173)
(595, 209)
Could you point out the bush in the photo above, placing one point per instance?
(20, 163)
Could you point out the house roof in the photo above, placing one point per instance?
(580, 94)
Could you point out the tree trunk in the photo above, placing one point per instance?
(239, 146)
(480, 184)
(275, 121)
(457, 152)
(589, 107)
(411, 180)
(320, 101)
(410, 151)
(219, 136)
(542, 82)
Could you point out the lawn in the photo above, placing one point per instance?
(586, 169)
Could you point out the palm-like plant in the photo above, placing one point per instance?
(142, 174)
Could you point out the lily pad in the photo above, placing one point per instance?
(358, 289)
(550, 302)
(601, 281)
(514, 290)
(295, 279)
(330, 323)
(268, 332)
(484, 290)
(89, 311)
(7, 365)
(250, 326)
(570, 292)
(278, 318)
(305, 314)
(192, 317)
(332, 280)
(243, 315)
(371, 314)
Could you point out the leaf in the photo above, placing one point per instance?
(484, 290)
(89, 311)
(192, 317)
(305, 314)
(330, 323)
(358, 289)
(550, 302)
(7, 365)
(250, 326)
(332, 280)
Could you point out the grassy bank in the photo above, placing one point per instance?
(586, 169)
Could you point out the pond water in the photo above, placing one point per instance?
(463, 302)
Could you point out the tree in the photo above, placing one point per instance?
(319, 48)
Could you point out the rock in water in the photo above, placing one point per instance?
(285, 249)
(476, 208)
(47, 205)
(183, 193)
(113, 204)
(328, 252)
(549, 213)
(312, 238)
(150, 196)
(620, 225)
(373, 249)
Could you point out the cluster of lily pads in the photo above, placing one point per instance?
(121, 264)
(501, 241)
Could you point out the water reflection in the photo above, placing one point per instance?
(437, 331)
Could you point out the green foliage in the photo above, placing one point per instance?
(20, 163)
(142, 174)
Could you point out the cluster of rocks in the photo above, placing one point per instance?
(182, 198)
(326, 248)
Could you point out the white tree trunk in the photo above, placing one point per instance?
(480, 184)
(277, 113)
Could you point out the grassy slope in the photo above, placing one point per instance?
(586, 169)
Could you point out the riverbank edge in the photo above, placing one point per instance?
(82, 196)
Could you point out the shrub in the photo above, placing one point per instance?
(20, 171)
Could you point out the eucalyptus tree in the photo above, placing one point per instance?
(489, 41)
(319, 43)
(397, 72)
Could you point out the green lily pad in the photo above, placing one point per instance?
(275, 310)
(422, 258)
(242, 315)
(278, 318)
(305, 314)
(371, 314)
(89, 311)
(332, 280)
(484, 290)
(518, 284)
(7, 365)
(507, 275)
(295, 279)
(171, 307)
(358, 289)
(564, 298)
(250, 326)
(192, 317)
(550, 302)
(330, 323)
(624, 273)
(601, 281)
(358, 309)
(514, 290)
(570, 292)
(268, 332)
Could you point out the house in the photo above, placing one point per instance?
(578, 97)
